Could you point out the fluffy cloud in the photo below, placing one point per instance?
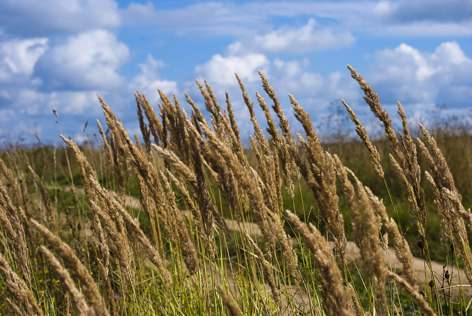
(148, 82)
(221, 69)
(43, 18)
(87, 61)
(408, 75)
(73, 103)
(30, 111)
(290, 76)
(32, 102)
(308, 38)
(314, 91)
(18, 57)
(416, 78)
(38, 75)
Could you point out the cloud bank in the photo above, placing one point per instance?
(61, 58)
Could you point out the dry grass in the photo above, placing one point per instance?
(153, 260)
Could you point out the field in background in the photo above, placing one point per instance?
(453, 141)
(216, 231)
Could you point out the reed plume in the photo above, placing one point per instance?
(335, 297)
(52, 213)
(89, 287)
(361, 131)
(233, 309)
(24, 302)
(15, 233)
(373, 100)
(414, 294)
(453, 227)
(17, 193)
(402, 249)
(321, 178)
(188, 248)
(268, 220)
(133, 228)
(370, 246)
(155, 126)
(286, 146)
(86, 171)
(77, 297)
(267, 270)
(403, 156)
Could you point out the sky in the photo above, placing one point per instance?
(58, 55)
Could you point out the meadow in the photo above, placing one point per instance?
(185, 220)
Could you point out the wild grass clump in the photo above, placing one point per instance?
(183, 220)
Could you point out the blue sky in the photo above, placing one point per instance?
(57, 54)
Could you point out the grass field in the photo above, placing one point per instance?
(189, 222)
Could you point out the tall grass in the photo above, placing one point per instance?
(220, 229)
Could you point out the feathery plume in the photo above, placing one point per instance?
(188, 248)
(402, 249)
(414, 294)
(16, 188)
(233, 309)
(335, 298)
(321, 177)
(371, 251)
(15, 234)
(453, 227)
(18, 290)
(373, 100)
(74, 265)
(77, 297)
(361, 131)
(52, 214)
(133, 228)
(268, 271)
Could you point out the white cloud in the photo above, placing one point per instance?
(221, 69)
(417, 78)
(32, 102)
(450, 53)
(47, 17)
(314, 91)
(31, 110)
(73, 103)
(70, 71)
(294, 78)
(308, 38)
(148, 81)
(18, 57)
(87, 61)
(219, 72)
(286, 77)
(411, 76)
